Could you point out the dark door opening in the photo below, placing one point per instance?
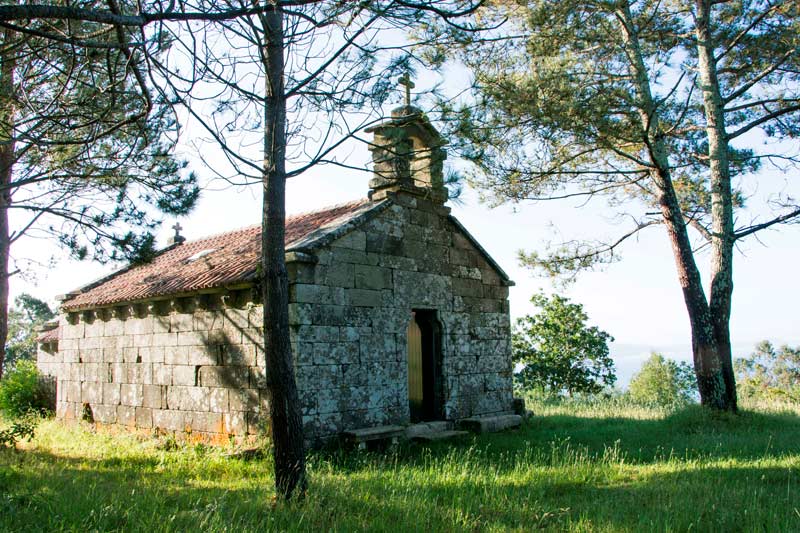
(425, 392)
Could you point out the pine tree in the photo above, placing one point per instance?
(645, 104)
(85, 147)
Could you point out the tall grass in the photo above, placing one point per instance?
(576, 466)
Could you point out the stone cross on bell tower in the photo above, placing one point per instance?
(405, 81)
(407, 153)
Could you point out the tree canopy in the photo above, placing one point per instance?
(87, 140)
(86, 145)
(665, 111)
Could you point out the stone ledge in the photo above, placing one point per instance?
(424, 428)
(374, 433)
(490, 424)
(440, 435)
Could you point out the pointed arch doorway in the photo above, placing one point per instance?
(425, 387)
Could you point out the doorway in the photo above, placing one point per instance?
(425, 391)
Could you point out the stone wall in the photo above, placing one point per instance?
(351, 310)
(195, 365)
(189, 365)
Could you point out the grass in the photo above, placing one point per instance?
(574, 466)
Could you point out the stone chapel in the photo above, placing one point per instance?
(397, 316)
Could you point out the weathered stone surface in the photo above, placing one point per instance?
(172, 420)
(337, 275)
(238, 354)
(144, 417)
(188, 398)
(374, 433)
(105, 414)
(315, 294)
(235, 422)
(111, 394)
(218, 400)
(257, 377)
(244, 400)
(131, 394)
(184, 375)
(202, 354)
(181, 322)
(207, 422)
(174, 355)
(373, 277)
(126, 415)
(355, 240)
(153, 396)
(162, 374)
(221, 376)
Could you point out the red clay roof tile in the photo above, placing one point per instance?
(49, 335)
(215, 261)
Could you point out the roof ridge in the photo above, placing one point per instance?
(330, 207)
(258, 226)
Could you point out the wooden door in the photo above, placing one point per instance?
(415, 377)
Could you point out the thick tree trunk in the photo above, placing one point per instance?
(722, 231)
(7, 65)
(705, 347)
(287, 426)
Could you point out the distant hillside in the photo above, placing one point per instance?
(628, 358)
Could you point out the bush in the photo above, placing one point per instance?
(21, 429)
(22, 391)
(663, 382)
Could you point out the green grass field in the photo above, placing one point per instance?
(575, 467)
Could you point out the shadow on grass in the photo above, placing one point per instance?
(691, 470)
(50, 493)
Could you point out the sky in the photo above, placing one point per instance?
(637, 300)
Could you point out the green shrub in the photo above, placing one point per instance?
(663, 382)
(20, 429)
(22, 391)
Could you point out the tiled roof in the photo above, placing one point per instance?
(215, 261)
(48, 335)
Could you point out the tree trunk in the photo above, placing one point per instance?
(705, 347)
(286, 420)
(722, 232)
(7, 65)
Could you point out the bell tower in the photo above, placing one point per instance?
(407, 154)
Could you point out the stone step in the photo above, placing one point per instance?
(374, 433)
(439, 435)
(427, 427)
(489, 424)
